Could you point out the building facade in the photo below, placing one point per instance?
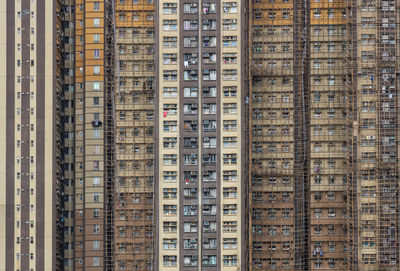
(134, 110)
(31, 139)
(372, 89)
(298, 135)
(93, 135)
(323, 158)
(89, 130)
(199, 135)
(200, 131)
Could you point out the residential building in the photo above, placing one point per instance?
(134, 110)
(200, 127)
(31, 205)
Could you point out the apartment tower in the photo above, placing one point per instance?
(88, 55)
(298, 135)
(134, 110)
(200, 131)
(68, 9)
(324, 132)
(373, 159)
(93, 135)
(31, 140)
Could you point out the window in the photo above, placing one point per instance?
(209, 108)
(96, 6)
(96, 86)
(229, 142)
(229, 175)
(190, 125)
(209, 125)
(190, 243)
(170, 142)
(170, 92)
(209, 226)
(96, 261)
(96, 197)
(170, 75)
(229, 58)
(190, 159)
(96, 38)
(169, 8)
(170, 226)
(190, 210)
(170, 243)
(230, 91)
(229, 41)
(189, 260)
(190, 75)
(229, 209)
(229, 24)
(229, 192)
(191, 42)
(209, 41)
(189, 58)
(229, 108)
(170, 25)
(209, 8)
(96, 70)
(190, 142)
(96, 22)
(170, 59)
(209, 24)
(209, 142)
(230, 7)
(169, 210)
(96, 181)
(169, 260)
(190, 109)
(229, 260)
(190, 24)
(209, 243)
(190, 226)
(209, 75)
(96, 229)
(209, 260)
(190, 92)
(170, 126)
(190, 193)
(209, 176)
(317, 13)
(96, 213)
(170, 109)
(169, 159)
(170, 42)
(190, 8)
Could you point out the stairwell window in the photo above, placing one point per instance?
(96, 22)
(96, 70)
(317, 13)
